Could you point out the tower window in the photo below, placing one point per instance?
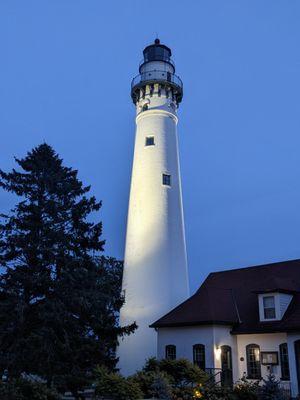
(166, 179)
(149, 141)
(170, 352)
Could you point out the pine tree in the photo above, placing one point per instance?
(59, 297)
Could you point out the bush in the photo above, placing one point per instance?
(216, 393)
(160, 387)
(245, 390)
(181, 372)
(114, 386)
(148, 381)
(25, 389)
(166, 379)
(271, 389)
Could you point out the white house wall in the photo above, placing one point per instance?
(184, 339)
(266, 342)
(213, 337)
(210, 336)
(291, 339)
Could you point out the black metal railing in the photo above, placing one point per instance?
(156, 76)
(219, 376)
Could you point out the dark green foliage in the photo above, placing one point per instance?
(161, 388)
(178, 376)
(113, 386)
(216, 393)
(271, 389)
(59, 298)
(181, 371)
(149, 382)
(246, 390)
(24, 389)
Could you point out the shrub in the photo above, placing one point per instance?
(160, 387)
(245, 390)
(216, 393)
(175, 379)
(181, 372)
(25, 389)
(148, 382)
(271, 389)
(114, 386)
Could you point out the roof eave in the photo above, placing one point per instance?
(193, 323)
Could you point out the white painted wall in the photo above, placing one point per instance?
(155, 271)
(266, 342)
(211, 336)
(216, 336)
(291, 339)
(184, 339)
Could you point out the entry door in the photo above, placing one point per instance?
(297, 355)
(226, 365)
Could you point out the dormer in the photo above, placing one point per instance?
(273, 304)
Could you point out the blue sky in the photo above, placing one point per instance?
(65, 73)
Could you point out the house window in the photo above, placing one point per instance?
(199, 355)
(166, 179)
(284, 362)
(269, 307)
(253, 361)
(170, 352)
(149, 141)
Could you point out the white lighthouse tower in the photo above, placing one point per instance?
(155, 270)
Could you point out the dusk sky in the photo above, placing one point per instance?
(65, 73)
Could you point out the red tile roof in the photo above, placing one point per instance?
(230, 298)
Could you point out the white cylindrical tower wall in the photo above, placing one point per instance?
(155, 276)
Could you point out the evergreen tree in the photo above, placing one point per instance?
(59, 298)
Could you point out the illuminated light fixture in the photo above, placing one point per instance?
(218, 352)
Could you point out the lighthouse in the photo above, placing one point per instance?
(155, 278)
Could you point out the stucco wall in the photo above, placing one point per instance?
(210, 336)
(266, 342)
(291, 338)
(217, 336)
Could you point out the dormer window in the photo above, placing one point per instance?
(269, 307)
(273, 305)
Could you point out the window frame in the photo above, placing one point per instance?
(149, 138)
(256, 364)
(166, 175)
(169, 348)
(200, 363)
(284, 362)
(266, 317)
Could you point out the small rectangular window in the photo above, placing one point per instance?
(149, 141)
(199, 355)
(269, 307)
(284, 361)
(170, 352)
(166, 179)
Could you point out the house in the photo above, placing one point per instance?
(244, 322)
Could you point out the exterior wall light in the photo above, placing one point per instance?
(218, 352)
